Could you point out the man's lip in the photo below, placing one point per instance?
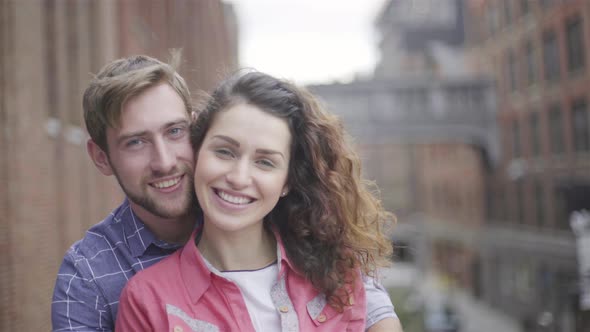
(180, 176)
(178, 179)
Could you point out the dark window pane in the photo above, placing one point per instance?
(575, 44)
(508, 11)
(580, 126)
(524, 7)
(530, 62)
(556, 129)
(520, 201)
(512, 75)
(535, 134)
(516, 149)
(550, 56)
(540, 203)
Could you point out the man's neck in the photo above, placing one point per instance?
(171, 230)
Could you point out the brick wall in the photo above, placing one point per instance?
(50, 192)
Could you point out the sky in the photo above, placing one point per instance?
(309, 41)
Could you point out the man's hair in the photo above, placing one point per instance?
(121, 80)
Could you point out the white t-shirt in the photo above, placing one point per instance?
(255, 286)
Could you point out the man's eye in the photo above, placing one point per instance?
(133, 143)
(176, 131)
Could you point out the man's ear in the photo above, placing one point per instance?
(194, 116)
(99, 157)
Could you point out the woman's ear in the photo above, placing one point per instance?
(285, 191)
(99, 157)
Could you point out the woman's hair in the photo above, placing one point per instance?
(330, 222)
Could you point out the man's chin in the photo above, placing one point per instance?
(169, 212)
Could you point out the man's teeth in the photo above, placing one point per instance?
(234, 199)
(167, 183)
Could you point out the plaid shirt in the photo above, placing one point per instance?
(96, 268)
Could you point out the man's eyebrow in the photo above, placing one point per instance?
(145, 132)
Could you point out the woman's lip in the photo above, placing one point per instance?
(233, 193)
(226, 205)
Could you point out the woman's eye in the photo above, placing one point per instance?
(224, 153)
(266, 163)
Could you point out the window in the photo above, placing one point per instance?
(547, 3)
(508, 11)
(550, 56)
(535, 134)
(520, 201)
(540, 204)
(575, 44)
(580, 126)
(512, 75)
(556, 129)
(516, 150)
(493, 18)
(524, 7)
(530, 62)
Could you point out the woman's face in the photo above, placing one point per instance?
(242, 167)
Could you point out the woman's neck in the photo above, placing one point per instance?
(248, 249)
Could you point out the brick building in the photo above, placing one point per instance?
(50, 191)
(538, 52)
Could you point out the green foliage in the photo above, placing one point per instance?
(412, 319)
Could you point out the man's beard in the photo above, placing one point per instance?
(149, 204)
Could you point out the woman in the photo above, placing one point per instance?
(289, 227)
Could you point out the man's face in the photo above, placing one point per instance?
(151, 155)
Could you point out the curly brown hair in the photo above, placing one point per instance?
(331, 222)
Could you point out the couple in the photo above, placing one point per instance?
(281, 238)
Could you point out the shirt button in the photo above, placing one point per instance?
(351, 300)
(178, 328)
(321, 318)
(284, 309)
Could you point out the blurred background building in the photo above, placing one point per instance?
(50, 191)
(476, 128)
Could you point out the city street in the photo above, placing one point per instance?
(473, 315)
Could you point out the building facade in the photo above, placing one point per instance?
(429, 145)
(538, 53)
(50, 192)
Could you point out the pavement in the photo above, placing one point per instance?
(474, 315)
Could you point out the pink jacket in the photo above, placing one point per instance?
(181, 294)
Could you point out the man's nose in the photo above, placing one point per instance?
(164, 159)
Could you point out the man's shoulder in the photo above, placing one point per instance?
(105, 235)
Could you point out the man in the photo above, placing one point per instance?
(137, 112)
